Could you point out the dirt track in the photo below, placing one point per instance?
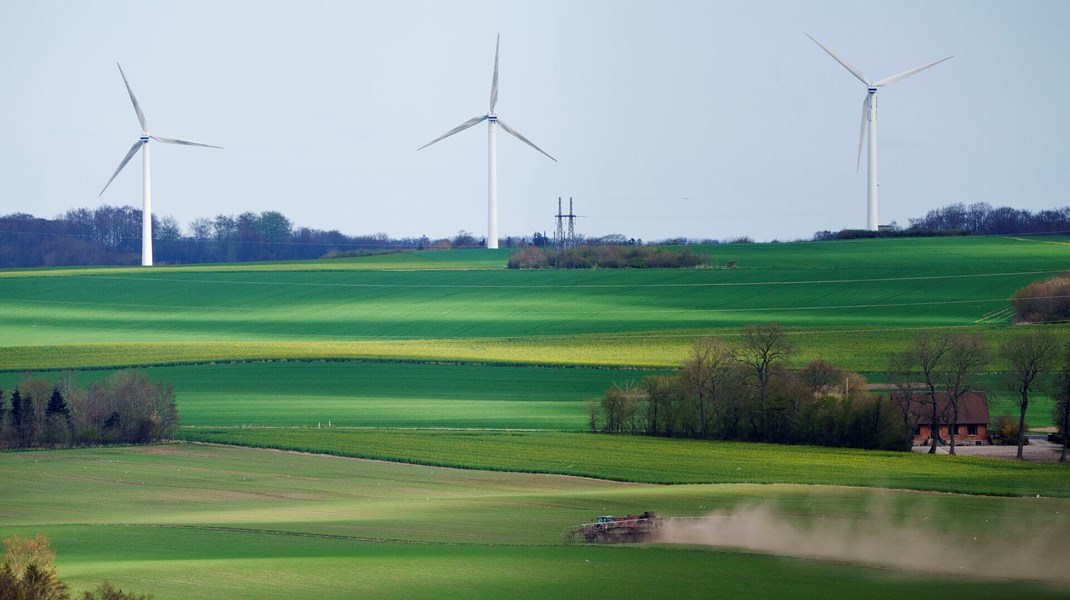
(1037, 450)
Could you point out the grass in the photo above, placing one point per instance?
(377, 394)
(659, 460)
(192, 521)
(187, 521)
(935, 283)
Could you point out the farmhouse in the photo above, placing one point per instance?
(972, 427)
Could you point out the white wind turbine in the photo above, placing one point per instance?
(492, 120)
(869, 118)
(146, 187)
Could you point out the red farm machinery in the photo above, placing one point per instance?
(617, 530)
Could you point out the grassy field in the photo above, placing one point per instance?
(845, 292)
(262, 354)
(660, 460)
(185, 521)
(378, 394)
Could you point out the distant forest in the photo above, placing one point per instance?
(976, 219)
(111, 235)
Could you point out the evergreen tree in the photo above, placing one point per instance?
(58, 425)
(23, 420)
(16, 418)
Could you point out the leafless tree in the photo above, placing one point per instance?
(1061, 395)
(1030, 355)
(967, 356)
(764, 347)
(820, 377)
(705, 375)
(924, 359)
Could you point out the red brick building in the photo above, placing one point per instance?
(973, 419)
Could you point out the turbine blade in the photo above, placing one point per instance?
(862, 131)
(129, 155)
(168, 140)
(137, 107)
(494, 82)
(854, 71)
(457, 129)
(523, 139)
(905, 74)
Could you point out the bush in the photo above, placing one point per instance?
(606, 257)
(1005, 428)
(27, 572)
(1044, 301)
(528, 258)
(107, 591)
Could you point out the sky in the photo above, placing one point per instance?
(689, 119)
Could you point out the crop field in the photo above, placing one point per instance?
(378, 394)
(659, 460)
(191, 521)
(447, 359)
(872, 293)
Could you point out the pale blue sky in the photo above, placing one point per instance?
(698, 119)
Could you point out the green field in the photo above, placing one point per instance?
(851, 301)
(208, 522)
(378, 394)
(430, 357)
(660, 460)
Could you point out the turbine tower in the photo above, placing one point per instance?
(146, 187)
(492, 175)
(869, 121)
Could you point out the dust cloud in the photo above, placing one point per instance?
(881, 540)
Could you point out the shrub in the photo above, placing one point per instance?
(1006, 427)
(107, 591)
(1044, 301)
(27, 571)
(528, 258)
(606, 257)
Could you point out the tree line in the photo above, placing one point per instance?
(982, 219)
(744, 391)
(124, 408)
(110, 235)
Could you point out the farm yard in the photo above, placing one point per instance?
(295, 381)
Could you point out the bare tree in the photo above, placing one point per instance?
(924, 359)
(764, 347)
(1061, 395)
(820, 377)
(967, 355)
(705, 376)
(1030, 355)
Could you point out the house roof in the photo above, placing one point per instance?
(973, 408)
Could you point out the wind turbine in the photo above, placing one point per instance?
(869, 118)
(492, 120)
(146, 188)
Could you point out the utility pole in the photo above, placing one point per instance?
(571, 243)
